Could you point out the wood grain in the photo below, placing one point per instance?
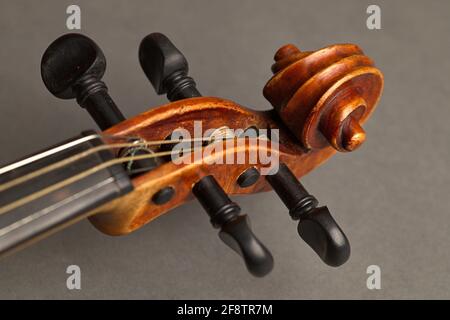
(325, 96)
(136, 209)
(321, 100)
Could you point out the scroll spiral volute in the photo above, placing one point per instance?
(325, 96)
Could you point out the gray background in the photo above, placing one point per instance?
(391, 196)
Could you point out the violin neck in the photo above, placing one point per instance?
(52, 189)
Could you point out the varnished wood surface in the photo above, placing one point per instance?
(321, 99)
(325, 96)
(136, 209)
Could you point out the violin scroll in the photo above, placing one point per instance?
(322, 97)
(326, 95)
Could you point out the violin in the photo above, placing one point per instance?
(134, 170)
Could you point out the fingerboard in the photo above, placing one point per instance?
(37, 207)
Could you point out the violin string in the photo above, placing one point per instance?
(41, 213)
(83, 154)
(81, 140)
(81, 175)
(33, 196)
(46, 153)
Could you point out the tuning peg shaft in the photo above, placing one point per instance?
(316, 225)
(166, 68)
(234, 228)
(72, 67)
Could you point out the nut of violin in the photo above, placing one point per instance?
(325, 96)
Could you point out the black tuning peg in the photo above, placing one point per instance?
(72, 67)
(234, 228)
(316, 227)
(166, 68)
